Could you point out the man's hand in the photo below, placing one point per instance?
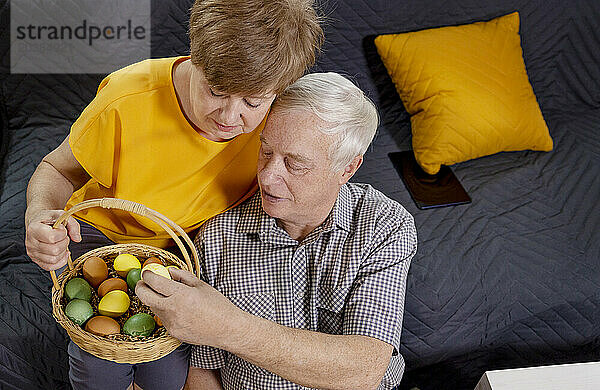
(191, 310)
(48, 247)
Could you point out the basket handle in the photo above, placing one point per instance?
(139, 209)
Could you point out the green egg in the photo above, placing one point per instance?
(140, 324)
(133, 277)
(79, 311)
(78, 288)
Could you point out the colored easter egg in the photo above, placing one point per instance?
(125, 263)
(78, 288)
(111, 284)
(102, 326)
(114, 303)
(95, 271)
(133, 277)
(151, 260)
(140, 324)
(79, 311)
(158, 269)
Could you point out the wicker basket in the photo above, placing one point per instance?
(147, 349)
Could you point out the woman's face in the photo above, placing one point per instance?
(221, 116)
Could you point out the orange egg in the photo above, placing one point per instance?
(95, 271)
(157, 320)
(151, 260)
(102, 326)
(110, 285)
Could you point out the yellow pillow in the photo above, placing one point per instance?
(467, 91)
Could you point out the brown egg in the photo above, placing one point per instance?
(112, 284)
(151, 260)
(102, 326)
(95, 271)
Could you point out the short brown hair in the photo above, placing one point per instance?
(254, 46)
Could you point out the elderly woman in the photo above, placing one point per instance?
(179, 135)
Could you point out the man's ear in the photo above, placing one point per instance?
(350, 169)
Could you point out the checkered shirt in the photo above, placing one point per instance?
(347, 277)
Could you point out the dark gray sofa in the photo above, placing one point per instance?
(511, 280)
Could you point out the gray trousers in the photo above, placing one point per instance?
(88, 372)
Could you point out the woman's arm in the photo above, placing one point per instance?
(50, 187)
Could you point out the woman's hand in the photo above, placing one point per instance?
(48, 247)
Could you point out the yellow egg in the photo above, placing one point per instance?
(158, 269)
(125, 263)
(114, 303)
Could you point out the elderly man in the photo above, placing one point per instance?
(303, 283)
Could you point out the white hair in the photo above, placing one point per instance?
(334, 99)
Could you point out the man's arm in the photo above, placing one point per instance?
(312, 359)
(196, 313)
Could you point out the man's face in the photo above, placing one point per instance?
(294, 170)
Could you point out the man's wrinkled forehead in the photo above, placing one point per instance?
(298, 156)
(295, 132)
